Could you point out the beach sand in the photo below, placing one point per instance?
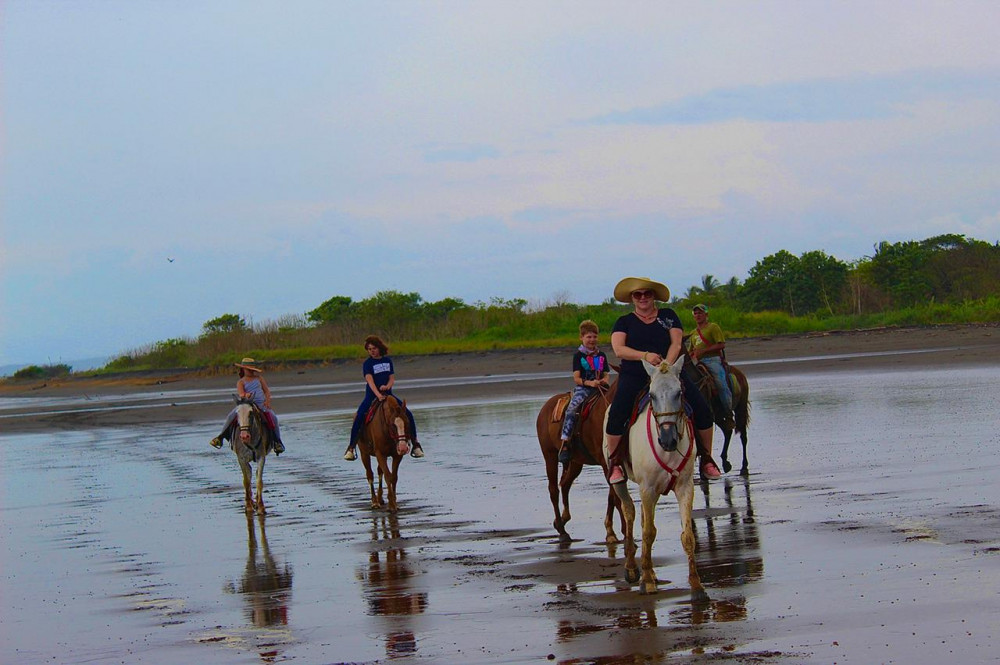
(867, 531)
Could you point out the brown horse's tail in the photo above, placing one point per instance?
(741, 407)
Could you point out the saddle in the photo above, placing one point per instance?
(641, 402)
(559, 411)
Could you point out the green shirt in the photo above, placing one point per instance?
(712, 334)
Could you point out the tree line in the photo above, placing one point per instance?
(782, 293)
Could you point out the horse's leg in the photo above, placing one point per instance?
(366, 461)
(684, 491)
(569, 475)
(260, 485)
(552, 472)
(745, 469)
(628, 507)
(728, 433)
(393, 478)
(610, 537)
(390, 481)
(649, 499)
(247, 494)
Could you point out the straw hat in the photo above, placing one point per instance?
(250, 364)
(624, 289)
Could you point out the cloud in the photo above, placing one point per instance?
(817, 100)
(459, 153)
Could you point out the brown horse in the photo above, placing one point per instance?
(385, 436)
(586, 447)
(738, 419)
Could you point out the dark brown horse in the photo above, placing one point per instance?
(587, 449)
(738, 419)
(385, 437)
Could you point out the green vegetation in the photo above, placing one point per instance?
(43, 372)
(944, 279)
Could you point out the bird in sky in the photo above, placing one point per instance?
(170, 259)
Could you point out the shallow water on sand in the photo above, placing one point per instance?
(868, 531)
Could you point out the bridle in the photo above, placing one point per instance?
(400, 437)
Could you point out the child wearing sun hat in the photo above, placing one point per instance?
(251, 385)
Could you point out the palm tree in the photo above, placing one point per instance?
(709, 284)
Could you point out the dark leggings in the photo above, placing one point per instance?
(359, 418)
(629, 387)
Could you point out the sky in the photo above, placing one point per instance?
(164, 163)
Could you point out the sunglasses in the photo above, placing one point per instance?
(639, 295)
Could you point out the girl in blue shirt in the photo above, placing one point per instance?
(379, 379)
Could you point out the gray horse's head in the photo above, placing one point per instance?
(665, 400)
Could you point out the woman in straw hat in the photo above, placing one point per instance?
(652, 334)
(251, 385)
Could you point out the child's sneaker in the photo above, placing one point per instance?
(216, 442)
(349, 455)
(617, 475)
(417, 451)
(278, 447)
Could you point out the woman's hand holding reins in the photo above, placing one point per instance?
(652, 358)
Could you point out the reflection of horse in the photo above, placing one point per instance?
(586, 449)
(737, 420)
(254, 442)
(661, 449)
(384, 435)
(265, 585)
(387, 586)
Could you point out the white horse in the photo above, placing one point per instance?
(661, 459)
(251, 440)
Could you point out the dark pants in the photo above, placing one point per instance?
(629, 387)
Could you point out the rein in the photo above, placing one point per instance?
(399, 436)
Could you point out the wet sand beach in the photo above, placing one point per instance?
(868, 530)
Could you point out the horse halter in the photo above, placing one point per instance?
(400, 437)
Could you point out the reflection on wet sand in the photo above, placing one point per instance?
(265, 586)
(387, 588)
(728, 555)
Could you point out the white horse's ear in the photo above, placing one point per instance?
(678, 364)
(650, 368)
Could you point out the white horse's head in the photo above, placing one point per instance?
(665, 399)
(244, 414)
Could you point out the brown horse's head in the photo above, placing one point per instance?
(397, 423)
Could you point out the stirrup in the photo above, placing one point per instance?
(617, 475)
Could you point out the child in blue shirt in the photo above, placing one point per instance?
(379, 379)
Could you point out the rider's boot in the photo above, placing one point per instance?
(417, 451)
(349, 454)
(278, 446)
(564, 453)
(216, 442)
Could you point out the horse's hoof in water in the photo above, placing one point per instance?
(648, 589)
(727, 466)
(631, 575)
(745, 472)
(699, 596)
(565, 538)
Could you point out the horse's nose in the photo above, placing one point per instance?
(244, 436)
(668, 438)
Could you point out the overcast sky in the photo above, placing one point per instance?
(281, 153)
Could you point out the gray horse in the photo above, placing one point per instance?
(251, 440)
